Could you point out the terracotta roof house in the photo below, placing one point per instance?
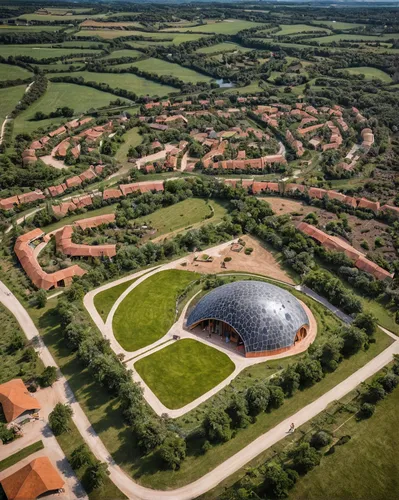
(9, 203)
(87, 175)
(334, 195)
(56, 190)
(317, 193)
(33, 480)
(368, 138)
(308, 130)
(370, 205)
(292, 187)
(63, 208)
(64, 244)
(372, 268)
(95, 221)
(58, 131)
(25, 253)
(231, 182)
(85, 120)
(83, 201)
(388, 209)
(73, 181)
(111, 193)
(30, 197)
(16, 399)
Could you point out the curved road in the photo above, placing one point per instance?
(133, 490)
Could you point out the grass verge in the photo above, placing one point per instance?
(20, 455)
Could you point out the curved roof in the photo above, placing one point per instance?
(265, 316)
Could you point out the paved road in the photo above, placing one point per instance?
(131, 489)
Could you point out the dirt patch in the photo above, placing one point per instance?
(53, 162)
(261, 261)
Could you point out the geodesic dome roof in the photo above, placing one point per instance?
(265, 316)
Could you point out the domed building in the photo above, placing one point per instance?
(260, 318)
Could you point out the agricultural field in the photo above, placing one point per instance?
(27, 29)
(40, 53)
(79, 98)
(182, 372)
(338, 25)
(222, 47)
(124, 53)
(291, 29)
(161, 67)
(127, 81)
(11, 72)
(9, 98)
(132, 138)
(370, 73)
(226, 27)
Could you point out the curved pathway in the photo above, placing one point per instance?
(134, 491)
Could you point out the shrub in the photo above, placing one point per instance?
(60, 417)
(304, 458)
(248, 250)
(365, 245)
(6, 435)
(41, 299)
(366, 410)
(289, 380)
(173, 451)
(310, 372)
(257, 397)
(206, 446)
(374, 393)
(343, 440)
(238, 412)
(320, 439)
(367, 322)
(277, 481)
(276, 396)
(80, 456)
(227, 259)
(49, 376)
(389, 382)
(96, 475)
(217, 425)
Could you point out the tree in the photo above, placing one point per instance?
(366, 410)
(80, 456)
(276, 396)
(277, 482)
(289, 380)
(150, 434)
(60, 417)
(354, 340)
(238, 411)
(374, 393)
(173, 451)
(320, 439)
(329, 353)
(367, 322)
(310, 372)
(217, 425)
(96, 475)
(257, 397)
(49, 376)
(41, 299)
(304, 458)
(389, 382)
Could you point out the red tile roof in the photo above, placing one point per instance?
(16, 399)
(65, 245)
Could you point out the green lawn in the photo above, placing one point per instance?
(252, 88)
(183, 371)
(226, 27)
(39, 52)
(222, 47)
(366, 467)
(165, 68)
(369, 73)
(182, 215)
(12, 72)
(20, 455)
(148, 312)
(127, 81)
(79, 98)
(104, 301)
(12, 362)
(9, 98)
(131, 138)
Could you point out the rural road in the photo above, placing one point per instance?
(134, 491)
(3, 127)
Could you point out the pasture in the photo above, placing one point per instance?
(39, 52)
(12, 72)
(123, 53)
(148, 311)
(127, 81)
(226, 27)
(222, 47)
(338, 25)
(165, 68)
(290, 29)
(77, 97)
(9, 98)
(183, 371)
(131, 138)
(369, 73)
(9, 28)
(354, 38)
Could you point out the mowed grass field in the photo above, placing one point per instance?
(222, 47)
(182, 372)
(77, 97)
(163, 68)
(290, 29)
(104, 301)
(9, 98)
(226, 27)
(123, 53)
(148, 312)
(38, 52)
(131, 138)
(128, 81)
(11, 72)
(370, 73)
(367, 467)
(337, 25)
(164, 38)
(351, 38)
(182, 215)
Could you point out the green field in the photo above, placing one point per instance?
(366, 467)
(9, 98)
(338, 25)
(39, 53)
(127, 81)
(222, 47)
(20, 455)
(8, 28)
(183, 215)
(162, 38)
(131, 138)
(148, 312)
(124, 53)
(289, 29)
(353, 38)
(176, 40)
(252, 88)
(227, 27)
(11, 72)
(77, 97)
(163, 68)
(55, 17)
(369, 73)
(104, 301)
(182, 372)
